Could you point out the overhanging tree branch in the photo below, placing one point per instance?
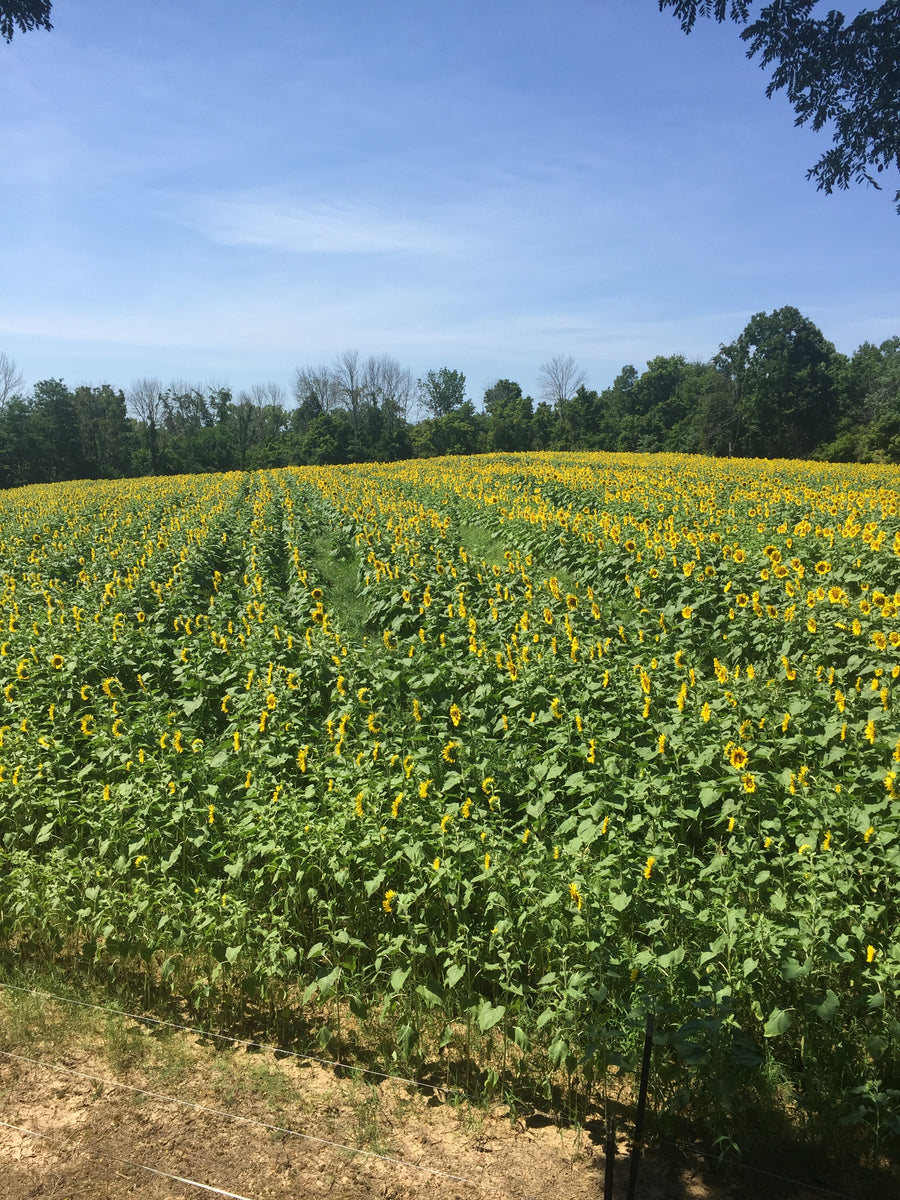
(835, 72)
(26, 14)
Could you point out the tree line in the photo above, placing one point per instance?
(779, 390)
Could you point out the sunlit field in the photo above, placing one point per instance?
(510, 751)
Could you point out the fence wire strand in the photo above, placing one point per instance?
(810, 1187)
(282, 1129)
(249, 1043)
(206, 1187)
(326, 1062)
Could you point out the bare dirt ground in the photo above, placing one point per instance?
(101, 1100)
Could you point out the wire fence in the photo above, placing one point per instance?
(248, 1043)
(224, 1115)
(238, 1118)
(741, 1166)
(392, 1160)
(126, 1162)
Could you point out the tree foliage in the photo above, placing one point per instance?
(838, 72)
(442, 391)
(783, 378)
(24, 14)
(779, 389)
(511, 415)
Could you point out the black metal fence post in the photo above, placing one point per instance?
(609, 1176)
(641, 1106)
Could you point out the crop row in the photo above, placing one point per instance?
(617, 735)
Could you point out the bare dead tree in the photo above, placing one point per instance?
(347, 372)
(264, 395)
(269, 401)
(559, 378)
(11, 380)
(146, 401)
(386, 384)
(316, 386)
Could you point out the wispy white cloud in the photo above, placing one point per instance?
(294, 227)
(612, 190)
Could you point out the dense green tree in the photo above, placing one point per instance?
(664, 403)
(857, 384)
(442, 391)
(185, 428)
(713, 424)
(40, 437)
(327, 439)
(869, 421)
(835, 72)
(863, 377)
(104, 431)
(780, 389)
(306, 412)
(511, 415)
(211, 447)
(460, 431)
(219, 399)
(382, 436)
(881, 442)
(22, 444)
(578, 421)
(53, 407)
(655, 404)
(544, 427)
(504, 391)
(270, 452)
(612, 410)
(783, 379)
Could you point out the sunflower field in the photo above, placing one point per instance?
(515, 748)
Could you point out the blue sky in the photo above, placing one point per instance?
(224, 191)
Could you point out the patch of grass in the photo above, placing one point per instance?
(238, 1078)
(366, 1113)
(126, 1045)
(272, 1086)
(480, 544)
(28, 1020)
(335, 564)
(171, 1058)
